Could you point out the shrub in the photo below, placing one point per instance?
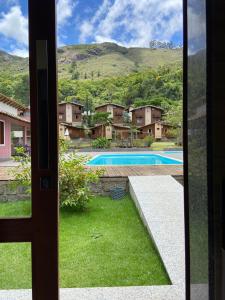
(149, 140)
(172, 133)
(101, 143)
(138, 143)
(74, 178)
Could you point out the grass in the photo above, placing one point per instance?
(105, 246)
(160, 146)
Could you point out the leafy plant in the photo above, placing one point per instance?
(101, 143)
(74, 178)
(172, 133)
(149, 140)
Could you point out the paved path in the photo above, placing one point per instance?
(159, 200)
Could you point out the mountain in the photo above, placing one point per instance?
(12, 64)
(98, 60)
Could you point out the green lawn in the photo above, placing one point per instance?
(104, 246)
(160, 146)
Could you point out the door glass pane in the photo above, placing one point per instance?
(15, 275)
(15, 134)
(197, 164)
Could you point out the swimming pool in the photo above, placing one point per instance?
(132, 159)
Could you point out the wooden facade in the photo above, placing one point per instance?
(70, 113)
(158, 130)
(116, 111)
(145, 115)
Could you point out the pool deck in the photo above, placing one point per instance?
(125, 171)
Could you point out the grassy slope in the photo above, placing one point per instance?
(107, 58)
(105, 246)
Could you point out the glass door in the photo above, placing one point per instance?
(41, 229)
(205, 159)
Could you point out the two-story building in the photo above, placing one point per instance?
(14, 126)
(71, 113)
(116, 111)
(71, 120)
(144, 115)
(116, 128)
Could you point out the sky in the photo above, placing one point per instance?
(131, 23)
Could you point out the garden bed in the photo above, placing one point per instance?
(107, 245)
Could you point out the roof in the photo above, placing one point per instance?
(120, 126)
(106, 104)
(12, 102)
(159, 122)
(71, 126)
(64, 102)
(14, 117)
(145, 106)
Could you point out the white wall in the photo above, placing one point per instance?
(9, 109)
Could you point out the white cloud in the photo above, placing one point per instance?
(20, 52)
(64, 11)
(14, 25)
(134, 23)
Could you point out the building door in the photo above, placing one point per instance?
(41, 229)
(204, 115)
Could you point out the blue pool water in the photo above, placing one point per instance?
(132, 159)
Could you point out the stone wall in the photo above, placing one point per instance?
(106, 183)
(101, 188)
(11, 194)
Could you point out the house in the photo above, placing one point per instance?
(157, 129)
(71, 113)
(101, 130)
(145, 115)
(67, 131)
(14, 126)
(116, 111)
(71, 120)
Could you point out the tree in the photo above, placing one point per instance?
(103, 118)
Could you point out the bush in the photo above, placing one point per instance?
(74, 178)
(101, 143)
(139, 143)
(149, 140)
(172, 133)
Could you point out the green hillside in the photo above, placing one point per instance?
(100, 73)
(108, 59)
(97, 60)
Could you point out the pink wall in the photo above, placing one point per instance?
(5, 151)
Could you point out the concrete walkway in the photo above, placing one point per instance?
(159, 200)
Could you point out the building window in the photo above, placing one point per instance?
(2, 132)
(76, 116)
(60, 117)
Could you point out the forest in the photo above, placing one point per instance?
(160, 87)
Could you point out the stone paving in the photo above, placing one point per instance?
(160, 202)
